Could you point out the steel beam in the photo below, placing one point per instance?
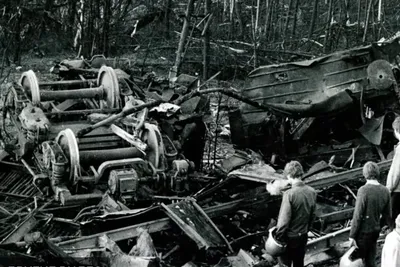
(332, 179)
(337, 216)
(94, 92)
(345, 176)
(152, 227)
(25, 227)
(67, 82)
(327, 241)
(83, 111)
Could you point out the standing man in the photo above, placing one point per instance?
(295, 216)
(393, 178)
(373, 200)
(391, 248)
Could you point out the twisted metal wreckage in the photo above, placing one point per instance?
(92, 159)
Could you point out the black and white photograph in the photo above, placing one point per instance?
(200, 133)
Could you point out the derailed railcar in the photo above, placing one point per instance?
(300, 93)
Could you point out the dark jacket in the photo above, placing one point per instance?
(373, 200)
(297, 211)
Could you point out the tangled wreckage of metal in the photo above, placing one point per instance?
(108, 159)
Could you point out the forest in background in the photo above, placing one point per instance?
(202, 36)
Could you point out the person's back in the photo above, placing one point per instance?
(295, 216)
(302, 199)
(373, 200)
(376, 198)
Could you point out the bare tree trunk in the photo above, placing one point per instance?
(106, 26)
(78, 40)
(166, 17)
(347, 9)
(17, 54)
(328, 26)
(206, 47)
(184, 34)
(373, 24)
(47, 8)
(274, 17)
(238, 11)
(225, 10)
(254, 33)
(287, 18)
(380, 4)
(90, 29)
(98, 32)
(258, 14)
(296, 8)
(231, 20)
(367, 21)
(358, 18)
(71, 17)
(267, 16)
(313, 19)
(346, 19)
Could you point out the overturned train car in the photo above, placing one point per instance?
(318, 96)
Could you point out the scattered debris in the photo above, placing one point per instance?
(99, 160)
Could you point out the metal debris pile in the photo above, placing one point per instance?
(98, 170)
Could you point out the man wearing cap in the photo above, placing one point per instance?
(295, 216)
(391, 248)
(373, 200)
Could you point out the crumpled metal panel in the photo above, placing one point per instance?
(313, 81)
